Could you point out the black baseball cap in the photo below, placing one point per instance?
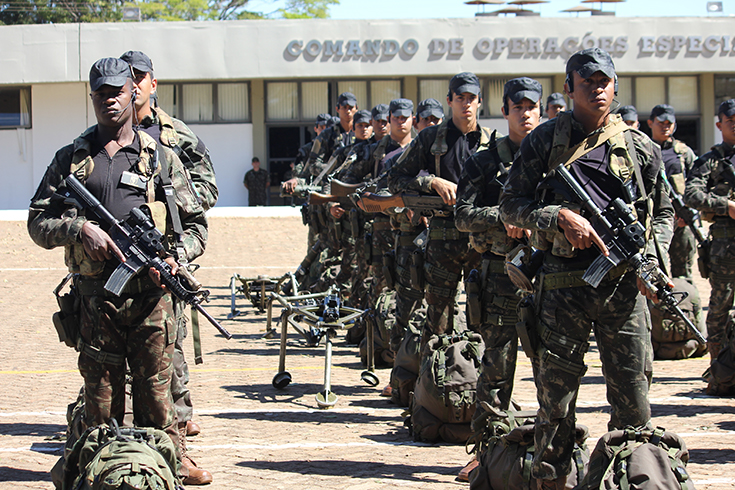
(380, 112)
(401, 107)
(464, 82)
(430, 107)
(109, 71)
(556, 99)
(334, 121)
(361, 117)
(663, 112)
(727, 108)
(347, 98)
(628, 113)
(521, 88)
(589, 61)
(322, 119)
(138, 60)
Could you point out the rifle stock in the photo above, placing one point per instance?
(424, 205)
(319, 198)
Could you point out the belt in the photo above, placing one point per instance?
(447, 233)
(98, 355)
(96, 287)
(718, 233)
(573, 279)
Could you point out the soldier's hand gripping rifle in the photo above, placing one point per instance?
(420, 204)
(142, 245)
(689, 215)
(301, 191)
(624, 237)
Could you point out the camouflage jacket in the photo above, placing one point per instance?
(415, 169)
(324, 145)
(478, 194)
(708, 187)
(257, 184)
(521, 205)
(192, 152)
(364, 167)
(302, 156)
(52, 223)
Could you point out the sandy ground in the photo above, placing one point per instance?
(257, 437)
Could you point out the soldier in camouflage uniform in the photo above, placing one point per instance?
(116, 164)
(429, 113)
(192, 151)
(629, 115)
(569, 307)
(478, 213)
(299, 177)
(432, 164)
(678, 159)
(257, 181)
(709, 188)
(379, 121)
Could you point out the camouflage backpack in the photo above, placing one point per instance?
(505, 454)
(670, 336)
(638, 459)
(108, 457)
(381, 319)
(406, 364)
(443, 401)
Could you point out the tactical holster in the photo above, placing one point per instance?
(66, 320)
(703, 257)
(305, 216)
(527, 328)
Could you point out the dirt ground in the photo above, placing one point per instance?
(257, 437)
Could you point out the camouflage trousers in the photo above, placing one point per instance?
(408, 299)
(383, 238)
(140, 327)
(617, 313)
(448, 256)
(498, 330)
(180, 377)
(361, 272)
(722, 280)
(682, 252)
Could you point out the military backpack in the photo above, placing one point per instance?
(406, 364)
(669, 334)
(381, 319)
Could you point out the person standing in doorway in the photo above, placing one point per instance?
(257, 182)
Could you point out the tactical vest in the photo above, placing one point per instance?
(440, 147)
(678, 181)
(621, 165)
(82, 166)
(379, 153)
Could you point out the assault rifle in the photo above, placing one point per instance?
(623, 236)
(142, 245)
(421, 205)
(689, 215)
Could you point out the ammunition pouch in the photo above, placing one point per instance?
(389, 269)
(305, 217)
(473, 288)
(527, 328)
(703, 257)
(66, 320)
(368, 246)
(417, 270)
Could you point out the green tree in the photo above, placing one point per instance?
(307, 9)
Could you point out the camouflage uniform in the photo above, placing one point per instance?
(448, 254)
(708, 189)
(678, 159)
(193, 153)
(303, 178)
(569, 308)
(140, 324)
(257, 184)
(478, 212)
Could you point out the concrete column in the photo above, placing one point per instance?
(257, 109)
(411, 89)
(707, 109)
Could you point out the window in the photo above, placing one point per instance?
(649, 92)
(681, 92)
(206, 102)
(684, 94)
(314, 99)
(493, 94)
(15, 108)
(283, 101)
(625, 91)
(383, 91)
(434, 89)
(724, 88)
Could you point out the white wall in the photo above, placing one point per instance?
(231, 148)
(16, 165)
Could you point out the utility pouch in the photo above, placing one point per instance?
(368, 248)
(473, 288)
(417, 270)
(703, 250)
(305, 214)
(66, 320)
(389, 269)
(527, 328)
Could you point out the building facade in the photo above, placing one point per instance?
(253, 88)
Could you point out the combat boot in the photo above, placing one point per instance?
(714, 349)
(192, 428)
(196, 475)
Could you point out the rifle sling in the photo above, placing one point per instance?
(588, 144)
(173, 209)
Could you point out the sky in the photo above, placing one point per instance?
(430, 9)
